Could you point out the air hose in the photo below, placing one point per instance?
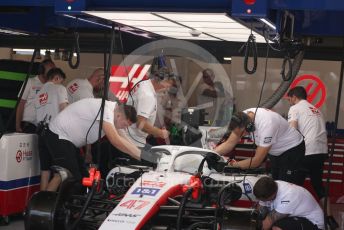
(250, 48)
(75, 49)
(182, 207)
(284, 86)
(74, 225)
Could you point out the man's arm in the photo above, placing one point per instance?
(271, 218)
(19, 115)
(143, 124)
(62, 106)
(256, 161)
(228, 145)
(119, 142)
(293, 124)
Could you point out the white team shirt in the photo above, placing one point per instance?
(48, 100)
(311, 124)
(144, 100)
(77, 119)
(296, 201)
(79, 89)
(273, 130)
(33, 85)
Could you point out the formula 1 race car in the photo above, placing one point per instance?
(184, 191)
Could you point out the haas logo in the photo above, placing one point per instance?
(19, 156)
(43, 98)
(124, 78)
(73, 88)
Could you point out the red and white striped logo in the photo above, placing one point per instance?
(124, 78)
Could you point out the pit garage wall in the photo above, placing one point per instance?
(327, 71)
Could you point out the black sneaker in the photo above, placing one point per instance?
(332, 223)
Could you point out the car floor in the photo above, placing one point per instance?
(236, 220)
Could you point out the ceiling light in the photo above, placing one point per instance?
(227, 58)
(267, 22)
(12, 32)
(209, 26)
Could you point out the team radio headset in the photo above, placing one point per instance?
(245, 122)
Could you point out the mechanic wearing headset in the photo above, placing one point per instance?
(144, 99)
(78, 125)
(25, 113)
(50, 100)
(274, 138)
(289, 206)
(310, 122)
(83, 88)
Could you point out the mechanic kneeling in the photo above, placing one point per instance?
(290, 206)
(78, 125)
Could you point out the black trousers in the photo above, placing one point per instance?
(66, 155)
(313, 165)
(289, 165)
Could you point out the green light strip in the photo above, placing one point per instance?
(6, 75)
(7, 103)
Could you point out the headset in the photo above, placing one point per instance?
(245, 122)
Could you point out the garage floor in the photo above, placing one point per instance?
(238, 221)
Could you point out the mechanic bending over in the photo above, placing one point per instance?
(78, 125)
(288, 206)
(274, 138)
(25, 113)
(83, 88)
(50, 100)
(144, 99)
(310, 122)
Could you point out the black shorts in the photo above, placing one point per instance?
(289, 165)
(66, 155)
(28, 127)
(45, 158)
(295, 223)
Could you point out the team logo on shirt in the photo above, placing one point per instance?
(314, 110)
(43, 98)
(267, 140)
(73, 88)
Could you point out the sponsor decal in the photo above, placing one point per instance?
(153, 184)
(247, 188)
(285, 201)
(267, 140)
(134, 204)
(73, 88)
(43, 98)
(130, 215)
(145, 191)
(23, 155)
(314, 110)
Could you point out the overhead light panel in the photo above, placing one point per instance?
(212, 26)
(12, 32)
(268, 23)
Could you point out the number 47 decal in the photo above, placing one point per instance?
(135, 204)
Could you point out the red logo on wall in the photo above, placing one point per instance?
(124, 78)
(315, 88)
(19, 156)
